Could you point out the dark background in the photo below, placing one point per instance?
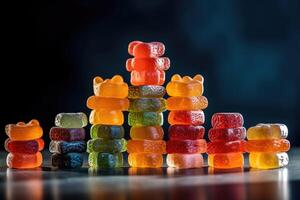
(247, 51)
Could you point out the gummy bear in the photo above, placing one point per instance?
(67, 134)
(148, 64)
(24, 147)
(147, 105)
(268, 146)
(145, 119)
(146, 133)
(227, 120)
(186, 146)
(71, 120)
(185, 161)
(226, 160)
(105, 160)
(68, 161)
(141, 78)
(187, 103)
(186, 132)
(227, 134)
(140, 49)
(183, 117)
(107, 117)
(108, 146)
(113, 88)
(24, 161)
(63, 147)
(107, 131)
(145, 160)
(146, 146)
(146, 91)
(267, 131)
(268, 160)
(104, 103)
(226, 147)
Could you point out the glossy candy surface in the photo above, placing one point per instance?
(187, 103)
(71, 120)
(186, 146)
(147, 105)
(227, 134)
(267, 132)
(155, 77)
(146, 133)
(146, 146)
(21, 131)
(105, 160)
(24, 161)
(67, 134)
(145, 160)
(141, 49)
(226, 147)
(108, 146)
(226, 160)
(24, 147)
(268, 160)
(107, 117)
(227, 120)
(68, 161)
(63, 147)
(279, 145)
(106, 103)
(107, 131)
(113, 88)
(186, 132)
(184, 117)
(146, 91)
(148, 64)
(185, 161)
(145, 119)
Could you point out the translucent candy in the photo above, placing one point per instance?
(146, 91)
(268, 160)
(107, 117)
(227, 134)
(226, 160)
(24, 147)
(148, 64)
(67, 134)
(184, 117)
(113, 88)
(268, 146)
(185, 161)
(21, 131)
(63, 147)
(146, 146)
(71, 120)
(105, 103)
(67, 161)
(267, 132)
(143, 50)
(145, 160)
(186, 146)
(147, 105)
(107, 131)
(187, 103)
(186, 132)
(140, 78)
(24, 161)
(146, 133)
(186, 86)
(145, 119)
(105, 160)
(227, 120)
(108, 146)
(226, 147)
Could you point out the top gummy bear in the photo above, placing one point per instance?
(185, 86)
(114, 87)
(267, 132)
(140, 49)
(227, 120)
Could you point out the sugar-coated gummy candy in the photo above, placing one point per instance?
(146, 146)
(226, 146)
(268, 160)
(186, 117)
(105, 160)
(107, 117)
(268, 146)
(227, 134)
(67, 134)
(113, 88)
(185, 161)
(267, 132)
(71, 120)
(63, 147)
(107, 103)
(145, 160)
(147, 105)
(24, 147)
(186, 132)
(109, 132)
(186, 146)
(24, 161)
(108, 146)
(67, 161)
(148, 64)
(22, 131)
(226, 160)
(141, 49)
(227, 120)
(145, 119)
(185, 86)
(146, 133)
(146, 91)
(187, 103)
(139, 78)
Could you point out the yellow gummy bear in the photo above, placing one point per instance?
(114, 87)
(267, 132)
(268, 160)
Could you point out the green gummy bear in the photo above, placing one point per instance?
(109, 132)
(105, 160)
(107, 146)
(147, 91)
(71, 120)
(145, 119)
(147, 105)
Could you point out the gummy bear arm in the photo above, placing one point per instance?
(129, 66)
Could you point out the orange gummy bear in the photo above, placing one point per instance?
(114, 87)
(187, 103)
(268, 146)
(107, 117)
(154, 77)
(143, 50)
(146, 133)
(226, 160)
(148, 64)
(146, 146)
(145, 160)
(100, 103)
(21, 131)
(185, 161)
(24, 161)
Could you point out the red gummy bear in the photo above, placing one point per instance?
(186, 117)
(186, 132)
(24, 147)
(227, 134)
(140, 49)
(186, 146)
(227, 120)
(226, 147)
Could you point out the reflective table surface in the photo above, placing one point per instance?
(163, 183)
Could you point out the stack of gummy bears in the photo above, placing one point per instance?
(267, 146)
(186, 117)
(67, 140)
(146, 104)
(24, 144)
(227, 144)
(107, 133)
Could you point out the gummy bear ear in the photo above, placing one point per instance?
(132, 45)
(198, 77)
(117, 79)
(97, 80)
(21, 123)
(187, 79)
(176, 77)
(34, 122)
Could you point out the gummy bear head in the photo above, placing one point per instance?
(140, 49)
(114, 87)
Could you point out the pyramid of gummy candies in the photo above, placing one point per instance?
(186, 117)
(267, 146)
(107, 133)
(146, 104)
(67, 140)
(24, 144)
(227, 145)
